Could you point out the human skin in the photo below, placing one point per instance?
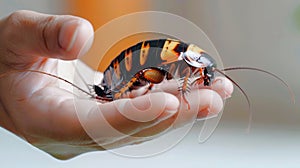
(36, 109)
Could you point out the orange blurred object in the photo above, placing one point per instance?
(99, 12)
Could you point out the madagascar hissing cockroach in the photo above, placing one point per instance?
(150, 62)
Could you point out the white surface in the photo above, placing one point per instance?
(228, 147)
(257, 33)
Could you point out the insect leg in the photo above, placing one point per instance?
(125, 88)
(149, 76)
(186, 85)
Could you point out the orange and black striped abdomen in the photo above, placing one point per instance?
(160, 53)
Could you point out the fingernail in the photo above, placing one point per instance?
(218, 81)
(171, 112)
(68, 34)
(227, 95)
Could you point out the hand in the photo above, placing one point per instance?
(36, 109)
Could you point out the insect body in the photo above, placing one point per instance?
(150, 62)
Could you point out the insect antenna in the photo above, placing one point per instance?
(243, 92)
(88, 86)
(264, 71)
(221, 71)
(60, 78)
(48, 74)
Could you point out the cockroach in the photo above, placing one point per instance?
(150, 62)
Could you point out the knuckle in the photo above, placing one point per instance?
(15, 22)
(16, 18)
(11, 26)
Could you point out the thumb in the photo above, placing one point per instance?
(28, 33)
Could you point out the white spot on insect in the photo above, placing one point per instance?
(194, 59)
(180, 57)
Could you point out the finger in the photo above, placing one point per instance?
(63, 119)
(34, 34)
(116, 120)
(223, 87)
(210, 104)
(204, 103)
(144, 135)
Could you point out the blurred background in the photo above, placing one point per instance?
(256, 33)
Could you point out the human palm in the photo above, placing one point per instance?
(34, 107)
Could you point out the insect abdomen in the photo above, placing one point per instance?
(152, 53)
